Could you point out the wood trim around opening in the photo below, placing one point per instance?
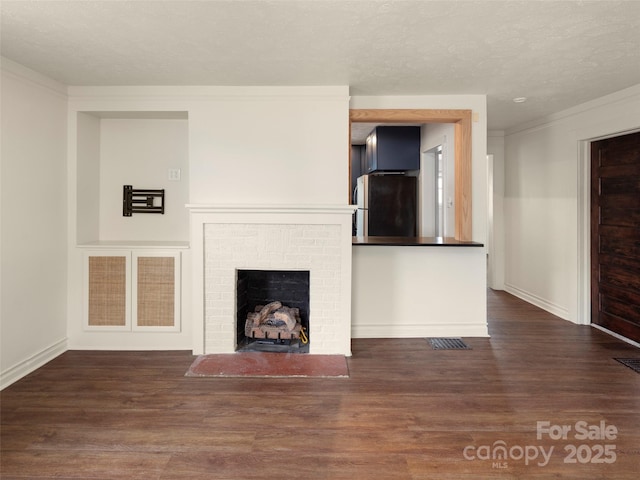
(462, 122)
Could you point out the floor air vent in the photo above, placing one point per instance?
(448, 344)
(632, 363)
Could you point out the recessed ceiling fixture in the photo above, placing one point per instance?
(520, 99)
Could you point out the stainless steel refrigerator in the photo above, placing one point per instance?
(387, 206)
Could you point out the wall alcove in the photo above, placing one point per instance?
(147, 150)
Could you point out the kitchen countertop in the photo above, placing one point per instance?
(413, 242)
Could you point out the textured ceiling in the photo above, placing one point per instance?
(555, 53)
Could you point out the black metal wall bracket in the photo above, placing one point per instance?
(141, 201)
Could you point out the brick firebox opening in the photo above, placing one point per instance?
(277, 330)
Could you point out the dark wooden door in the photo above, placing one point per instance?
(615, 234)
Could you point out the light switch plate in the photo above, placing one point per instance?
(174, 174)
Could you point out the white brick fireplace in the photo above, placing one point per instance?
(226, 239)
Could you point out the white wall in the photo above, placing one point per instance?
(283, 145)
(34, 240)
(546, 201)
(495, 211)
(139, 152)
(404, 292)
(88, 178)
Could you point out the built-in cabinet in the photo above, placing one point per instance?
(132, 290)
(130, 269)
(393, 149)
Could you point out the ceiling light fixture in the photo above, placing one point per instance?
(520, 99)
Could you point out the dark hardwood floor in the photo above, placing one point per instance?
(406, 412)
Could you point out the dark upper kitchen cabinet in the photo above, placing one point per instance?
(393, 149)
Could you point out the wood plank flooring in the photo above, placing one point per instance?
(406, 412)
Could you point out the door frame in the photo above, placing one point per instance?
(584, 231)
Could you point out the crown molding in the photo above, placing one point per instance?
(17, 70)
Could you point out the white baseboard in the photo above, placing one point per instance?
(24, 368)
(539, 302)
(419, 331)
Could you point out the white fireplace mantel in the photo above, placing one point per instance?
(225, 238)
(276, 209)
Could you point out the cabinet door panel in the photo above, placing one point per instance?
(156, 291)
(107, 296)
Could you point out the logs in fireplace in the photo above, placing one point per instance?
(273, 322)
